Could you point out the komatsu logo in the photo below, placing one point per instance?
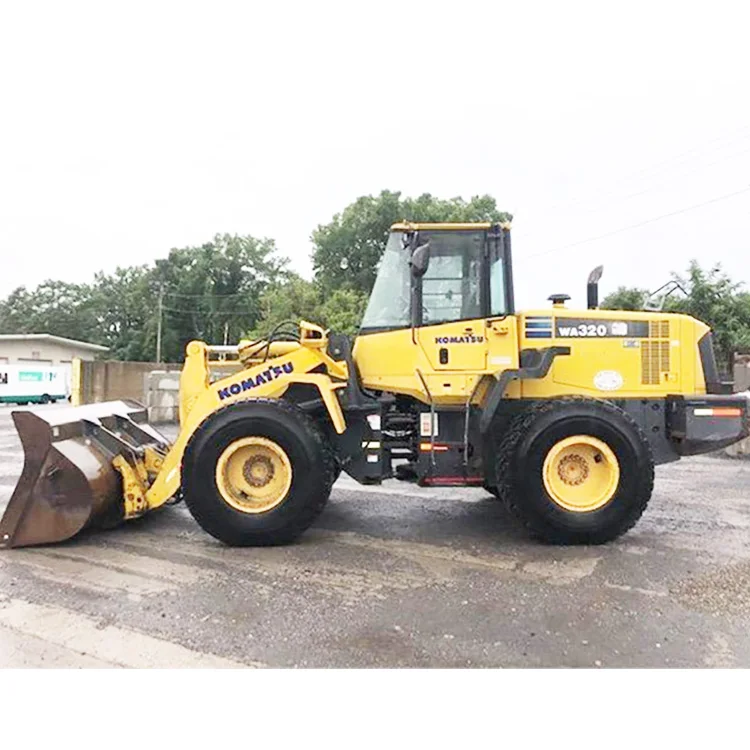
(469, 338)
(272, 373)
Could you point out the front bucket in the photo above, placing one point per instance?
(68, 482)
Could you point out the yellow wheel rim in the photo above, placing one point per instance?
(253, 474)
(581, 473)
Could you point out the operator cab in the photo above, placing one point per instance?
(438, 273)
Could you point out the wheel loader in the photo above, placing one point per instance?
(561, 413)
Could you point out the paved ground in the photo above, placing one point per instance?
(393, 576)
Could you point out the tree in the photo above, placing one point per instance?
(214, 291)
(346, 251)
(711, 297)
(625, 298)
(293, 298)
(343, 310)
(715, 299)
(297, 299)
(208, 292)
(56, 307)
(126, 313)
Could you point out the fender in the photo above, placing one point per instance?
(199, 399)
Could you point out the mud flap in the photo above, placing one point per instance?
(68, 482)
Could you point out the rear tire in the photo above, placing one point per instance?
(562, 503)
(303, 452)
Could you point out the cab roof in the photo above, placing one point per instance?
(407, 226)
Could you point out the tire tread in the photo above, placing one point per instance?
(506, 482)
(303, 520)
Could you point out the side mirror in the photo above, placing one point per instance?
(420, 260)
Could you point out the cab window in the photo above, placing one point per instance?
(389, 305)
(498, 301)
(451, 286)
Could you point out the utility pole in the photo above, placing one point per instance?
(158, 325)
(226, 332)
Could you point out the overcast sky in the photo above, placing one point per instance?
(127, 129)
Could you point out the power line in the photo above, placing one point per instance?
(682, 176)
(640, 223)
(205, 294)
(698, 147)
(679, 159)
(205, 312)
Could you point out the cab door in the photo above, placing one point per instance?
(452, 334)
(455, 346)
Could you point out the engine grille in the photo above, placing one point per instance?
(658, 329)
(655, 353)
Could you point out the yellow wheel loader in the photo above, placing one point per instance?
(562, 413)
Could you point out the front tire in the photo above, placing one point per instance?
(257, 473)
(576, 470)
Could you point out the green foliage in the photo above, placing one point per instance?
(124, 305)
(720, 303)
(711, 297)
(343, 310)
(291, 299)
(357, 235)
(625, 298)
(214, 289)
(297, 299)
(53, 307)
(207, 291)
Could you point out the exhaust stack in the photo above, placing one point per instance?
(592, 288)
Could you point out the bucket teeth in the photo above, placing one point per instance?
(69, 481)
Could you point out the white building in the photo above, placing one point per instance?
(45, 349)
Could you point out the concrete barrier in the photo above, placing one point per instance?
(162, 389)
(109, 380)
(742, 372)
(154, 385)
(162, 396)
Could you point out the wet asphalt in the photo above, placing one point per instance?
(393, 576)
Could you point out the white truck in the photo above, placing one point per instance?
(37, 384)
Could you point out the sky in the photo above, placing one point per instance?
(616, 133)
